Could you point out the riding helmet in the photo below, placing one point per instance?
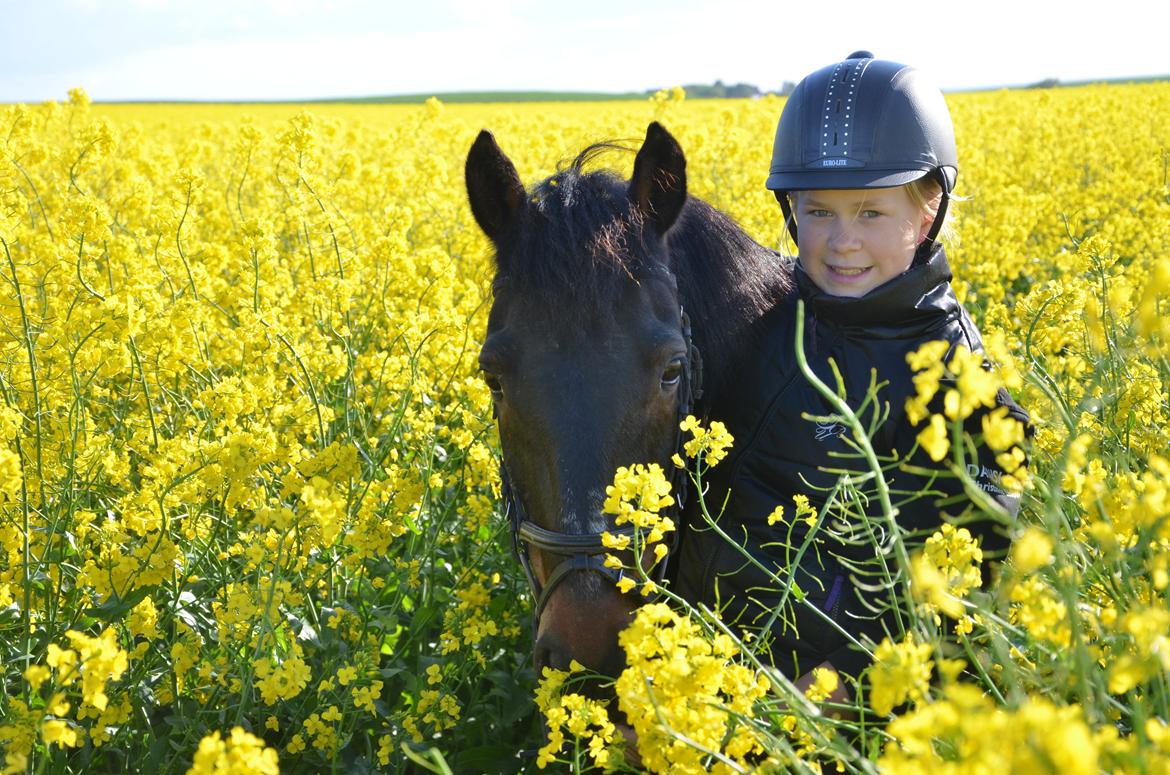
(863, 123)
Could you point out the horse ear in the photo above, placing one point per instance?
(659, 185)
(493, 187)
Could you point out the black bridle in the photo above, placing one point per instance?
(584, 552)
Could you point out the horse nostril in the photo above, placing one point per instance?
(549, 654)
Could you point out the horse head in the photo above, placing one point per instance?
(589, 361)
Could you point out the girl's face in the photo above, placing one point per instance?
(853, 240)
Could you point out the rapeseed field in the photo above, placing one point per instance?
(249, 494)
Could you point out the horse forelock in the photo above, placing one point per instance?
(578, 239)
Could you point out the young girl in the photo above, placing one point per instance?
(863, 166)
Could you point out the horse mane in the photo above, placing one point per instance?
(727, 282)
(580, 237)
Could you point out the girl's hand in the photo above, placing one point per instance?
(633, 758)
(839, 696)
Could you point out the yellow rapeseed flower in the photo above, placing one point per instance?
(935, 438)
(1031, 551)
(241, 754)
(900, 673)
(711, 442)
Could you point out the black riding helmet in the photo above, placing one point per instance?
(863, 123)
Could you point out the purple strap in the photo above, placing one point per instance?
(834, 593)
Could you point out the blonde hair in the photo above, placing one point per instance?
(925, 193)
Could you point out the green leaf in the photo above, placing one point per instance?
(115, 607)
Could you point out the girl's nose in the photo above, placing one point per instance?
(844, 236)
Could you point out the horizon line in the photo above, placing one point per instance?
(546, 95)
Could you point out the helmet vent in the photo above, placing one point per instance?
(836, 121)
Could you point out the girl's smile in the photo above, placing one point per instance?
(847, 274)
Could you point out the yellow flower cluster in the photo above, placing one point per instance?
(710, 443)
(966, 732)
(1039, 607)
(585, 719)
(900, 673)
(637, 495)
(1031, 551)
(469, 622)
(1146, 656)
(946, 569)
(284, 680)
(97, 660)
(805, 511)
(636, 498)
(241, 754)
(90, 665)
(966, 385)
(685, 694)
(435, 710)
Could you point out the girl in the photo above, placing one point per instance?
(863, 166)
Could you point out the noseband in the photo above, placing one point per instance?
(584, 551)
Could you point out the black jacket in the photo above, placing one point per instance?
(778, 453)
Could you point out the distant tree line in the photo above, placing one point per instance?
(737, 90)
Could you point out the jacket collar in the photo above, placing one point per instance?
(913, 301)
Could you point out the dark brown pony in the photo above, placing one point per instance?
(588, 359)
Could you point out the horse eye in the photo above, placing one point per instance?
(673, 373)
(493, 383)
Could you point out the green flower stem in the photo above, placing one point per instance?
(25, 609)
(861, 439)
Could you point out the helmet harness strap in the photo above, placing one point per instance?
(789, 218)
(927, 246)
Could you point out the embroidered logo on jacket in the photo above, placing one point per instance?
(827, 430)
(988, 479)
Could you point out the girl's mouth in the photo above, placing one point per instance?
(847, 273)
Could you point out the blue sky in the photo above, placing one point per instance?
(289, 49)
